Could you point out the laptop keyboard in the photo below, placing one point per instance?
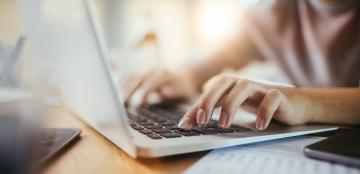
(158, 123)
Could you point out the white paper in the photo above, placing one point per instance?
(279, 157)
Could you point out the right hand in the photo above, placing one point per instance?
(168, 85)
(268, 101)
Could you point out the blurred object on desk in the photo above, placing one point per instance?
(8, 75)
(20, 117)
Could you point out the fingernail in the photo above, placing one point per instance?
(201, 116)
(222, 119)
(183, 123)
(260, 124)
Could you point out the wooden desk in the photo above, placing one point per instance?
(92, 153)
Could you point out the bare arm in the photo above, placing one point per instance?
(332, 105)
(290, 106)
(235, 53)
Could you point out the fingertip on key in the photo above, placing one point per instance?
(222, 120)
(260, 124)
(183, 124)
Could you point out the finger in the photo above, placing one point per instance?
(211, 98)
(236, 97)
(153, 83)
(267, 108)
(189, 118)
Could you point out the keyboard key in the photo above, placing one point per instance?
(240, 128)
(154, 136)
(209, 133)
(169, 123)
(205, 130)
(173, 127)
(147, 124)
(222, 130)
(164, 122)
(174, 119)
(143, 122)
(187, 132)
(136, 127)
(145, 131)
(160, 130)
(170, 134)
(155, 126)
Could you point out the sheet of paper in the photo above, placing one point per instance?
(283, 156)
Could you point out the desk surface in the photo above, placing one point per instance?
(92, 153)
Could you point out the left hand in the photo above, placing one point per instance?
(230, 92)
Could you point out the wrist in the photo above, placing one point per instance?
(190, 79)
(305, 109)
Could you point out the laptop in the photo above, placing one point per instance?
(25, 142)
(73, 39)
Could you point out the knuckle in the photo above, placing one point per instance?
(274, 92)
(223, 78)
(275, 95)
(243, 82)
(242, 85)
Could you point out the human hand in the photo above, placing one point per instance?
(169, 86)
(230, 92)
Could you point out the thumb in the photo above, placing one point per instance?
(170, 92)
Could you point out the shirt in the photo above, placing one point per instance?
(315, 44)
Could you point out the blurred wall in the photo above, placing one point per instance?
(182, 27)
(126, 22)
(10, 21)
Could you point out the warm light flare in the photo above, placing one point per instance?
(215, 23)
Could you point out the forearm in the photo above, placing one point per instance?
(331, 105)
(214, 64)
(235, 52)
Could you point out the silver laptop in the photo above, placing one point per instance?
(72, 37)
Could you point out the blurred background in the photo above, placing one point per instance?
(149, 32)
(163, 32)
